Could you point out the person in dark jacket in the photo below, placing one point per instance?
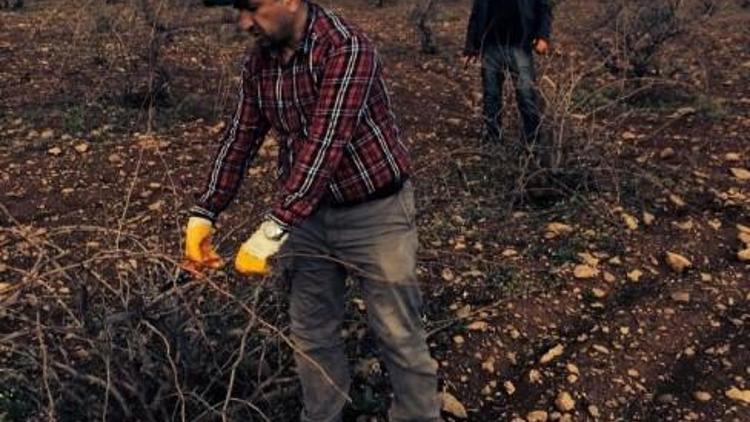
(503, 33)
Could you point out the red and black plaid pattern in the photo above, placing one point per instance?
(330, 108)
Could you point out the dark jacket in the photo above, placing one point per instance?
(536, 22)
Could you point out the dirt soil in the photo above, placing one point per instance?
(584, 321)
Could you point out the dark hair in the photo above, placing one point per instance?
(237, 4)
(241, 4)
(212, 3)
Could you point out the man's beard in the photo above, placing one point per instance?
(275, 44)
(269, 45)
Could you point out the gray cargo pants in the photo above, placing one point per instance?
(375, 243)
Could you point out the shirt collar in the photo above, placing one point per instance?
(307, 41)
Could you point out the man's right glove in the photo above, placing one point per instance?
(198, 248)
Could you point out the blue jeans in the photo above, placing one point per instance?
(376, 244)
(519, 62)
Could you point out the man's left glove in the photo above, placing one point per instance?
(541, 46)
(252, 258)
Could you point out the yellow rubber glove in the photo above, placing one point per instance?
(198, 248)
(252, 258)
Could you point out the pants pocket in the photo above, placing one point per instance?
(282, 284)
(408, 207)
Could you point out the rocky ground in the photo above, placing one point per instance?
(622, 295)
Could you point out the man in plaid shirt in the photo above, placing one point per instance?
(345, 205)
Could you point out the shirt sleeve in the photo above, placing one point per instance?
(544, 19)
(348, 75)
(237, 147)
(476, 27)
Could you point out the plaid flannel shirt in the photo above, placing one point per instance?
(332, 113)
